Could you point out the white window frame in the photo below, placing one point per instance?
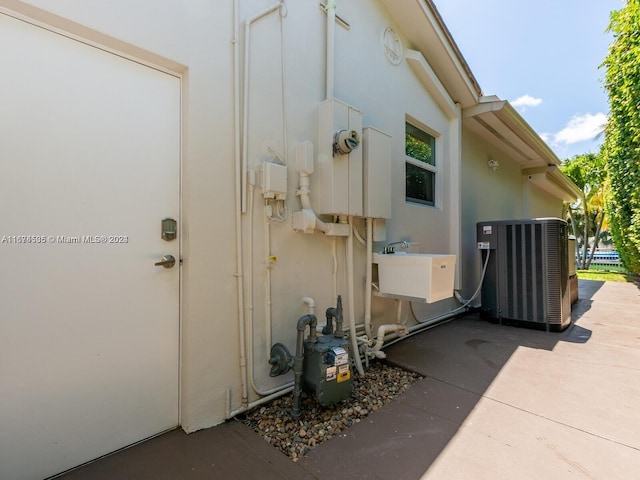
(435, 169)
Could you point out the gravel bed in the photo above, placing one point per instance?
(381, 384)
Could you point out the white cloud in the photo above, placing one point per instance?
(581, 128)
(525, 101)
(547, 137)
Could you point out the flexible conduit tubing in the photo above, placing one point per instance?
(352, 303)
(245, 117)
(238, 200)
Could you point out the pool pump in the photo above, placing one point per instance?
(321, 364)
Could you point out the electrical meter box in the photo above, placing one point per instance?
(327, 370)
(336, 187)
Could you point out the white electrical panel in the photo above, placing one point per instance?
(337, 180)
(376, 161)
(274, 181)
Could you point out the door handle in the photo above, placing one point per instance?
(167, 261)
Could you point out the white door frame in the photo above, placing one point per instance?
(78, 32)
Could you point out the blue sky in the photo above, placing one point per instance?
(543, 57)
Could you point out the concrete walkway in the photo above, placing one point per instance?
(497, 402)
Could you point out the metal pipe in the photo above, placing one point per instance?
(334, 312)
(298, 362)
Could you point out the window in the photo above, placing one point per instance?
(420, 151)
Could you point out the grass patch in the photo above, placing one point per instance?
(604, 276)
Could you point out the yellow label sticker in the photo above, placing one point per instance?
(344, 376)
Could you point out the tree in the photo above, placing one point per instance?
(587, 216)
(622, 134)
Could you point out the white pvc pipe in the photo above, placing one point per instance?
(238, 207)
(245, 118)
(249, 317)
(400, 330)
(311, 305)
(260, 401)
(305, 200)
(352, 303)
(368, 278)
(267, 285)
(331, 27)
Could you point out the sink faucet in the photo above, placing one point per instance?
(391, 249)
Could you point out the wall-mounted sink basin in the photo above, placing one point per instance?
(420, 276)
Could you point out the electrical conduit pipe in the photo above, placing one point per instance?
(245, 117)
(368, 278)
(305, 201)
(241, 158)
(330, 8)
(352, 303)
(238, 200)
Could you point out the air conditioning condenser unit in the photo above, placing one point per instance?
(527, 277)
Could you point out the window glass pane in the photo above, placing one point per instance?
(420, 185)
(419, 145)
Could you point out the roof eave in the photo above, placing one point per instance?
(426, 32)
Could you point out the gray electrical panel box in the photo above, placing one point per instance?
(527, 277)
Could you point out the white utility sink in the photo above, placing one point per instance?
(423, 277)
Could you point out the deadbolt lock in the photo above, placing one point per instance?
(169, 229)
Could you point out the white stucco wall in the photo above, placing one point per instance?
(195, 40)
(488, 195)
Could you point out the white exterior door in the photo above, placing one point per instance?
(89, 326)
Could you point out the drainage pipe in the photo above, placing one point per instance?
(352, 303)
(400, 330)
(299, 359)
